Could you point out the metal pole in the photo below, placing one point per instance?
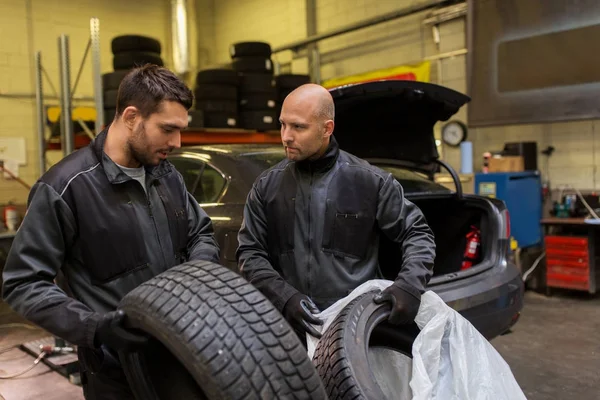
(96, 73)
(363, 24)
(67, 138)
(87, 50)
(314, 58)
(39, 104)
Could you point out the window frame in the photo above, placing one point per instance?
(204, 160)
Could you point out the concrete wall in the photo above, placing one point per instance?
(399, 42)
(27, 26)
(36, 24)
(394, 43)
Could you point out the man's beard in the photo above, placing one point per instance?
(137, 147)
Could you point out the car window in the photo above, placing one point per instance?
(411, 181)
(266, 158)
(203, 181)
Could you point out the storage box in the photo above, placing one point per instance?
(506, 164)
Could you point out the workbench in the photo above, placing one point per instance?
(571, 253)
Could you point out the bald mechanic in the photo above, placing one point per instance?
(312, 223)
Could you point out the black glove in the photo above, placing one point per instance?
(112, 333)
(405, 305)
(299, 310)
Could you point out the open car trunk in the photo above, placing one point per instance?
(450, 219)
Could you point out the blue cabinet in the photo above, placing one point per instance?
(522, 193)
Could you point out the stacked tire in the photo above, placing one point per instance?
(285, 84)
(129, 51)
(257, 91)
(216, 99)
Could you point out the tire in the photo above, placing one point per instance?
(291, 81)
(220, 106)
(256, 83)
(341, 355)
(216, 91)
(218, 76)
(132, 59)
(263, 120)
(258, 102)
(283, 94)
(249, 49)
(112, 80)
(109, 115)
(110, 98)
(262, 65)
(214, 337)
(221, 120)
(126, 43)
(195, 119)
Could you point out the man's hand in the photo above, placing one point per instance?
(405, 305)
(112, 333)
(299, 310)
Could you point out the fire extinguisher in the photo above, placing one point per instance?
(472, 248)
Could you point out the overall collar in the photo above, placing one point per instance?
(112, 170)
(325, 162)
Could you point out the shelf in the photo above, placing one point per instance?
(228, 136)
(197, 137)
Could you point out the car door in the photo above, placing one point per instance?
(202, 179)
(208, 184)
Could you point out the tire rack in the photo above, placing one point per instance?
(66, 132)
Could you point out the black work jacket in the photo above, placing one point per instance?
(315, 227)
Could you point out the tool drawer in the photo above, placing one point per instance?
(567, 262)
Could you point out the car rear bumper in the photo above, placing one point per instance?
(491, 300)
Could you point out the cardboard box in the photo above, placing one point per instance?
(506, 164)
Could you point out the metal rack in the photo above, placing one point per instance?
(66, 92)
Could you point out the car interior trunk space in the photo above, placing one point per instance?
(450, 220)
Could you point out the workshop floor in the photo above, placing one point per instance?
(554, 352)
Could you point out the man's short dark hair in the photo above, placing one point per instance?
(147, 86)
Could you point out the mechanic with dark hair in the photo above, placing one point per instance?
(109, 217)
(312, 223)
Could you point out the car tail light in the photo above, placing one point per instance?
(505, 224)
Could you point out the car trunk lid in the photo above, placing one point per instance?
(393, 119)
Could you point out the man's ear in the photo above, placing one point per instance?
(329, 124)
(130, 114)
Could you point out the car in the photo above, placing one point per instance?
(391, 125)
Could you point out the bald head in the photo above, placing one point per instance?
(315, 98)
(307, 122)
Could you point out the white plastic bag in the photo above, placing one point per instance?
(328, 315)
(451, 359)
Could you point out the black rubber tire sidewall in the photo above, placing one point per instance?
(109, 115)
(219, 106)
(223, 331)
(256, 83)
(212, 91)
(291, 81)
(258, 102)
(126, 43)
(221, 120)
(195, 119)
(263, 120)
(132, 59)
(110, 98)
(112, 80)
(245, 49)
(220, 76)
(262, 65)
(341, 356)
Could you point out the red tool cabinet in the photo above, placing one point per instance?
(571, 259)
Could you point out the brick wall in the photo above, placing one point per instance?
(27, 26)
